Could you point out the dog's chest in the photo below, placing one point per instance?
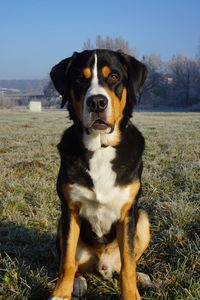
(102, 205)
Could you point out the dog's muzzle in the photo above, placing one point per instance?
(97, 106)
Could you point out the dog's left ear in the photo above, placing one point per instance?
(59, 76)
(137, 73)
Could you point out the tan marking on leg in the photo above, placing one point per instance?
(142, 236)
(128, 259)
(128, 264)
(68, 267)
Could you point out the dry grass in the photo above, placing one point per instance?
(29, 206)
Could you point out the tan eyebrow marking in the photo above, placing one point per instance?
(106, 71)
(87, 73)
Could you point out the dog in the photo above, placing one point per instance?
(99, 182)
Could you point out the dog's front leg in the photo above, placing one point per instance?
(133, 237)
(68, 267)
(128, 263)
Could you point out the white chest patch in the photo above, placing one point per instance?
(101, 206)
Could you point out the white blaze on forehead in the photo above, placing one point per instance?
(93, 141)
(95, 72)
(95, 88)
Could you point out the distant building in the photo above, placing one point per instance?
(35, 106)
(5, 91)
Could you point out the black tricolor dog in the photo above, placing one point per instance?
(99, 181)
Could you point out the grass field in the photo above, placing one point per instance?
(29, 206)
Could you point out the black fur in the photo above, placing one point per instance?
(90, 237)
(59, 76)
(127, 163)
(75, 157)
(133, 218)
(75, 165)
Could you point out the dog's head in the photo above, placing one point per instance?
(100, 87)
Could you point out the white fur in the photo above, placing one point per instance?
(101, 206)
(80, 286)
(144, 280)
(94, 89)
(82, 254)
(94, 141)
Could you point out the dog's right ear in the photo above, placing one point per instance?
(59, 76)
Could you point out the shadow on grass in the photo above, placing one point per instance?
(29, 256)
(29, 264)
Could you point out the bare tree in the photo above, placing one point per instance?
(110, 43)
(88, 45)
(154, 85)
(100, 42)
(51, 95)
(198, 50)
(185, 74)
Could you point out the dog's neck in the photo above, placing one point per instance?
(93, 142)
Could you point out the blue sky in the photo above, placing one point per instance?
(36, 34)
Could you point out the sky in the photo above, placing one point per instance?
(36, 34)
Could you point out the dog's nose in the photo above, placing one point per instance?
(97, 103)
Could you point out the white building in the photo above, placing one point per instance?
(35, 106)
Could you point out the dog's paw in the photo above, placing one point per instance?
(80, 286)
(144, 280)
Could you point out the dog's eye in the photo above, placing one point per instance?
(113, 77)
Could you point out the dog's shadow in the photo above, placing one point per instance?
(29, 263)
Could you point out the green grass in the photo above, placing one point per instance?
(29, 206)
